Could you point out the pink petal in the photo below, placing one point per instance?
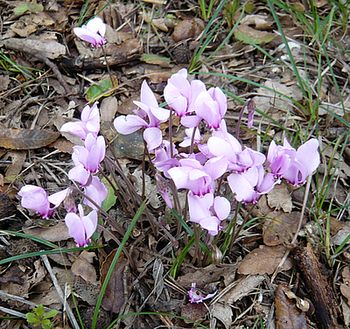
(211, 224)
(180, 176)
(90, 223)
(222, 207)
(308, 155)
(96, 155)
(79, 174)
(241, 187)
(91, 118)
(126, 125)
(89, 36)
(58, 197)
(190, 121)
(147, 96)
(96, 191)
(96, 25)
(76, 128)
(76, 228)
(35, 198)
(153, 137)
(220, 98)
(199, 206)
(216, 167)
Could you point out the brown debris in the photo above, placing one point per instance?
(287, 314)
(320, 291)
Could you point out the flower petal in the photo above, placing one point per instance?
(128, 124)
(153, 137)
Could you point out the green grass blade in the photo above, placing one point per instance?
(31, 237)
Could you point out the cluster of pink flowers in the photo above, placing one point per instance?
(222, 157)
(86, 161)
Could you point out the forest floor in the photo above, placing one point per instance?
(281, 263)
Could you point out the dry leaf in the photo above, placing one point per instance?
(188, 29)
(280, 198)
(17, 162)
(280, 228)
(113, 299)
(58, 232)
(287, 314)
(194, 312)
(26, 139)
(242, 288)
(261, 22)
(264, 260)
(108, 108)
(48, 48)
(206, 275)
(223, 313)
(83, 267)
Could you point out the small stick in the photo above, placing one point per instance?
(60, 293)
(12, 312)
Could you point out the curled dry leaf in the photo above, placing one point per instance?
(264, 260)
(287, 314)
(26, 139)
(188, 29)
(223, 313)
(280, 228)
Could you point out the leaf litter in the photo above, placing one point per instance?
(149, 41)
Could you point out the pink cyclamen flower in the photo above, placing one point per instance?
(92, 32)
(198, 179)
(89, 123)
(80, 227)
(163, 160)
(149, 116)
(96, 191)
(294, 165)
(211, 106)
(251, 184)
(208, 211)
(91, 154)
(36, 198)
(180, 94)
(196, 296)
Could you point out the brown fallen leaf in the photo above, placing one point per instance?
(280, 198)
(280, 228)
(83, 267)
(264, 260)
(58, 232)
(287, 314)
(188, 28)
(48, 48)
(113, 299)
(194, 312)
(26, 139)
(17, 161)
(7, 208)
(242, 288)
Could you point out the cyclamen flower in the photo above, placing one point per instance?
(294, 165)
(89, 123)
(87, 158)
(92, 32)
(163, 160)
(211, 106)
(198, 179)
(229, 147)
(188, 139)
(196, 296)
(251, 184)
(208, 211)
(36, 198)
(149, 116)
(81, 227)
(180, 94)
